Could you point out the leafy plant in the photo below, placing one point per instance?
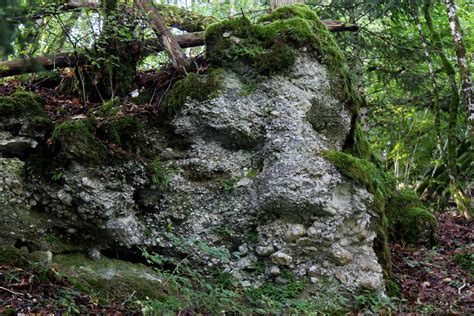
(56, 175)
(159, 174)
(465, 260)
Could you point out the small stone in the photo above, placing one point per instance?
(94, 254)
(243, 249)
(244, 182)
(340, 256)
(71, 230)
(246, 263)
(313, 232)
(447, 280)
(313, 271)
(246, 284)
(275, 270)
(371, 283)
(265, 250)
(294, 232)
(281, 258)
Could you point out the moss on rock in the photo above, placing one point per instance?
(109, 278)
(26, 105)
(120, 130)
(78, 141)
(10, 255)
(271, 46)
(193, 86)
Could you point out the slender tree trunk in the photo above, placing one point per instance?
(167, 40)
(429, 61)
(357, 56)
(466, 84)
(454, 104)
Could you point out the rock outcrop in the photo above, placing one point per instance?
(247, 176)
(242, 171)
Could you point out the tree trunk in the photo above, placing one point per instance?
(167, 40)
(429, 61)
(454, 103)
(465, 75)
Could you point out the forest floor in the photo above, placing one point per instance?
(440, 279)
(436, 280)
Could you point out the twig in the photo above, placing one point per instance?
(13, 292)
(461, 287)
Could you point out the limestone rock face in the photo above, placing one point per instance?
(246, 176)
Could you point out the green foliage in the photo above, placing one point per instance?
(374, 302)
(77, 141)
(109, 108)
(465, 260)
(410, 221)
(228, 185)
(56, 175)
(159, 174)
(218, 291)
(193, 86)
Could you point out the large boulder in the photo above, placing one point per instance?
(240, 168)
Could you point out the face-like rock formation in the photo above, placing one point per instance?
(242, 171)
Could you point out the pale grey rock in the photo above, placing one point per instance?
(94, 254)
(294, 209)
(294, 232)
(265, 250)
(275, 270)
(281, 258)
(339, 255)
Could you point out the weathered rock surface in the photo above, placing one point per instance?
(249, 178)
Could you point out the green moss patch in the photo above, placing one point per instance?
(78, 142)
(24, 104)
(10, 255)
(120, 131)
(465, 260)
(110, 278)
(271, 46)
(410, 221)
(193, 86)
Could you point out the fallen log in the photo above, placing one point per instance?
(166, 38)
(62, 60)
